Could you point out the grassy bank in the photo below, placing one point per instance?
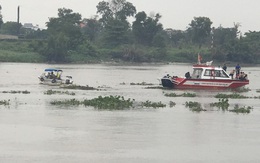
(12, 56)
(22, 51)
(18, 51)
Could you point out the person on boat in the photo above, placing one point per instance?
(48, 75)
(58, 75)
(225, 67)
(231, 74)
(52, 76)
(243, 76)
(187, 75)
(237, 68)
(167, 76)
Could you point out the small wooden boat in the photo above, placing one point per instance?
(54, 77)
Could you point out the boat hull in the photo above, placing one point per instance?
(183, 83)
(54, 82)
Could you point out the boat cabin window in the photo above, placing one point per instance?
(216, 73)
(197, 73)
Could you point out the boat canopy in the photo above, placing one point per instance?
(52, 70)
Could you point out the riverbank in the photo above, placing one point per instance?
(23, 51)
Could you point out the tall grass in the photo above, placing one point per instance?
(13, 56)
(18, 51)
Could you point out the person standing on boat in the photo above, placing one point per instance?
(231, 74)
(225, 67)
(237, 68)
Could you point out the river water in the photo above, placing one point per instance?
(32, 130)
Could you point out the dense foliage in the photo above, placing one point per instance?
(111, 36)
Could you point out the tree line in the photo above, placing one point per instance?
(110, 35)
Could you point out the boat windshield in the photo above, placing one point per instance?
(196, 73)
(216, 73)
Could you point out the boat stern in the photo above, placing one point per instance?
(167, 82)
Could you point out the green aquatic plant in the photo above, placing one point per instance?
(51, 92)
(180, 95)
(5, 102)
(17, 92)
(122, 83)
(171, 95)
(71, 102)
(233, 96)
(109, 102)
(244, 109)
(242, 89)
(189, 95)
(172, 104)
(153, 104)
(155, 87)
(79, 87)
(194, 106)
(143, 83)
(222, 103)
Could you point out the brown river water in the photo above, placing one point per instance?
(33, 130)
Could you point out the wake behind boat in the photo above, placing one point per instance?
(205, 76)
(54, 77)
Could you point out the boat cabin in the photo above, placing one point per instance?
(209, 72)
(53, 73)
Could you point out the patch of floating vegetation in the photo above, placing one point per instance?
(172, 104)
(17, 92)
(153, 104)
(143, 83)
(51, 92)
(258, 90)
(108, 102)
(5, 102)
(242, 89)
(122, 83)
(72, 102)
(233, 96)
(79, 87)
(222, 103)
(103, 86)
(180, 95)
(155, 87)
(244, 109)
(194, 106)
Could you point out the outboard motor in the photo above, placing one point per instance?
(68, 80)
(167, 82)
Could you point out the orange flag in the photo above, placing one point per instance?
(199, 58)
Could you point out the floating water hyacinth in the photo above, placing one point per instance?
(222, 103)
(50, 92)
(194, 106)
(244, 109)
(5, 102)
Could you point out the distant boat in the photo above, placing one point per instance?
(205, 76)
(52, 76)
